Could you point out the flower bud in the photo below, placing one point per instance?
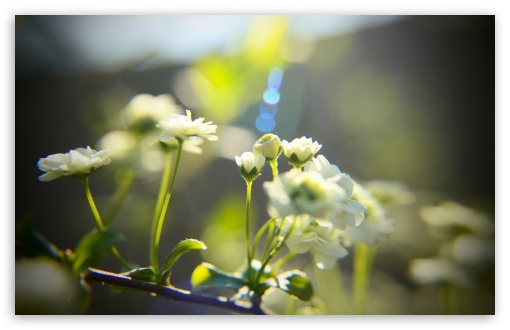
(268, 146)
(250, 165)
(300, 151)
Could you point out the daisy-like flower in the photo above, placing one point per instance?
(144, 110)
(300, 151)
(296, 192)
(250, 165)
(349, 211)
(323, 242)
(77, 162)
(268, 146)
(182, 127)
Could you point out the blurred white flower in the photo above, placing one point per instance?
(437, 270)
(300, 151)
(390, 192)
(350, 212)
(250, 165)
(376, 221)
(190, 145)
(78, 162)
(296, 192)
(269, 145)
(144, 110)
(469, 250)
(323, 242)
(183, 127)
(450, 218)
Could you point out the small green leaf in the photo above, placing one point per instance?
(294, 283)
(93, 247)
(184, 246)
(206, 276)
(181, 248)
(143, 274)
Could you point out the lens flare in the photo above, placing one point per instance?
(265, 123)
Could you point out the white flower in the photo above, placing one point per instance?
(145, 110)
(250, 165)
(300, 151)
(350, 212)
(375, 224)
(269, 146)
(448, 218)
(296, 192)
(390, 192)
(182, 127)
(78, 162)
(438, 270)
(323, 242)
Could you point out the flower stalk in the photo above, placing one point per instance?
(248, 249)
(364, 255)
(99, 222)
(157, 226)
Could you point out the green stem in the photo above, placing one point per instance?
(274, 250)
(330, 289)
(259, 234)
(127, 178)
(449, 299)
(165, 180)
(364, 255)
(269, 240)
(248, 250)
(283, 260)
(99, 222)
(161, 219)
(274, 167)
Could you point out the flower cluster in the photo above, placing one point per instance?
(79, 162)
(314, 202)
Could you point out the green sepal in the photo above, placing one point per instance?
(250, 176)
(93, 247)
(181, 248)
(208, 276)
(293, 282)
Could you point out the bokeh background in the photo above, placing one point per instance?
(403, 98)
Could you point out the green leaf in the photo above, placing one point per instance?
(143, 274)
(294, 283)
(93, 247)
(183, 247)
(207, 276)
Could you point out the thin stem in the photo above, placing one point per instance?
(330, 289)
(170, 292)
(275, 250)
(283, 260)
(127, 179)
(165, 180)
(161, 220)
(99, 222)
(259, 234)
(364, 255)
(93, 208)
(269, 240)
(448, 299)
(274, 167)
(248, 250)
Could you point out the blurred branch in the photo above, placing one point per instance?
(171, 293)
